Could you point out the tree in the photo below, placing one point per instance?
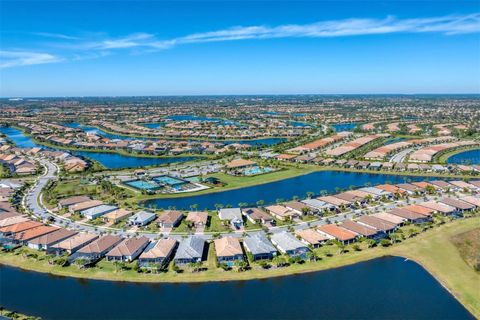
(371, 243)
(305, 211)
(241, 265)
(264, 264)
(260, 203)
(312, 255)
(384, 243)
(340, 246)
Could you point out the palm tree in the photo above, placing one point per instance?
(341, 246)
(312, 255)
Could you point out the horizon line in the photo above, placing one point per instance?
(242, 94)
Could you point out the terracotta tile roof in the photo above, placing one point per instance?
(358, 228)
(19, 227)
(33, 233)
(227, 247)
(161, 249)
(337, 232)
(311, 236)
(128, 247)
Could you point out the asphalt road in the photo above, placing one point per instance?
(400, 157)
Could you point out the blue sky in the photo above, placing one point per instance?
(95, 48)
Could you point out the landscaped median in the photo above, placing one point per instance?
(433, 249)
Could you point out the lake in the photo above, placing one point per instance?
(467, 157)
(338, 127)
(283, 189)
(255, 142)
(108, 160)
(384, 288)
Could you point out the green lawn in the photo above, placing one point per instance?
(215, 224)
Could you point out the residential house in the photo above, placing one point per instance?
(141, 218)
(333, 231)
(73, 244)
(311, 237)
(98, 248)
(78, 207)
(259, 246)
(472, 200)
(228, 250)
(169, 219)
(8, 232)
(298, 207)
(280, 212)
(459, 205)
(199, 219)
(360, 229)
(233, 215)
(190, 250)
(439, 208)
(158, 252)
(67, 202)
(381, 224)
(258, 215)
(98, 211)
(48, 240)
(409, 215)
(288, 244)
(116, 216)
(25, 236)
(128, 250)
(398, 221)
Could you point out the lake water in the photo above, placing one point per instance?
(108, 160)
(338, 127)
(17, 136)
(256, 142)
(385, 288)
(467, 157)
(284, 189)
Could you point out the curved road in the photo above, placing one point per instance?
(400, 157)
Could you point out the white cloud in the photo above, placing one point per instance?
(23, 58)
(55, 35)
(448, 25)
(340, 28)
(146, 42)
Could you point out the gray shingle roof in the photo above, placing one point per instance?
(258, 243)
(190, 248)
(286, 241)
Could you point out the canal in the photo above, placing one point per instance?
(100, 132)
(316, 182)
(108, 160)
(384, 288)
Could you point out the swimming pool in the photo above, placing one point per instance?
(168, 180)
(143, 185)
(256, 170)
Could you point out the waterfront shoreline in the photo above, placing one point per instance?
(308, 170)
(444, 157)
(411, 249)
